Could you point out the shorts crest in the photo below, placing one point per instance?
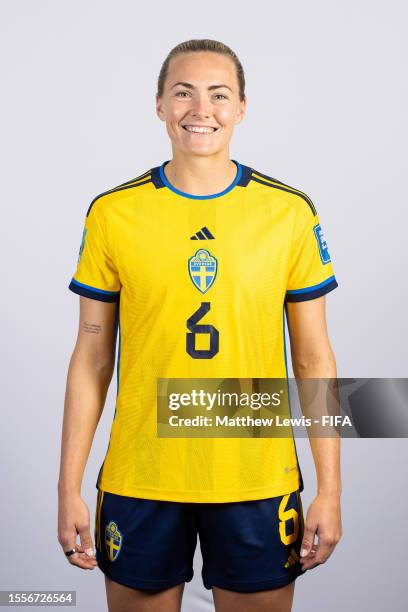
(113, 540)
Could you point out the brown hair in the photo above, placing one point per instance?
(203, 44)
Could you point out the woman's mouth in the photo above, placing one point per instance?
(200, 129)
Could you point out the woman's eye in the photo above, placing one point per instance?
(183, 94)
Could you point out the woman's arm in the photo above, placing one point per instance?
(89, 375)
(312, 357)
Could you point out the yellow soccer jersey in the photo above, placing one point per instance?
(143, 246)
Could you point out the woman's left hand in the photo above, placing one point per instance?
(324, 519)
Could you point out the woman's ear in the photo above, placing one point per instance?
(241, 110)
(159, 108)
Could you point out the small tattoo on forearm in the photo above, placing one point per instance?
(92, 328)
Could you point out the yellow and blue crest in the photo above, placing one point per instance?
(202, 268)
(113, 540)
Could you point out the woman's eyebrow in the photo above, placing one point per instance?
(190, 86)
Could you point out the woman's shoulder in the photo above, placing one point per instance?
(292, 194)
(108, 195)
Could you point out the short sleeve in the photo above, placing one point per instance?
(311, 272)
(96, 276)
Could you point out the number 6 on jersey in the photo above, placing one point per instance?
(201, 329)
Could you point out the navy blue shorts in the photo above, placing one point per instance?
(246, 546)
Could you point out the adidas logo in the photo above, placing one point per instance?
(203, 234)
(293, 558)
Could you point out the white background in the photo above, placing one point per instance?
(327, 93)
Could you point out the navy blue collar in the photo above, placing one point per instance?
(242, 178)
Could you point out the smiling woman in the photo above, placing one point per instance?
(201, 98)
(140, 269)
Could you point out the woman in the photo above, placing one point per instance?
(197, 311)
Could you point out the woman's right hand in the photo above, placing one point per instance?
(73, 519)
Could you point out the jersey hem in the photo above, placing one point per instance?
(93, 292)
(310, 293)
(224, 496)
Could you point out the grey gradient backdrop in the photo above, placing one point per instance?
(327, 90)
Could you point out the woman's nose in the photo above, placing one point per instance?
(201, 107)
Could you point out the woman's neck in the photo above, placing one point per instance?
(200, 175)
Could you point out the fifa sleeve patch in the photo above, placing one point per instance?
(322, 244)
(81, 248)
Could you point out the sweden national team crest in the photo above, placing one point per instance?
(322, 244)
(113, 540)
(202, 268)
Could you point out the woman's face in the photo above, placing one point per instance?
(201, 91)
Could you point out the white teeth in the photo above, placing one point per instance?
(199, 129)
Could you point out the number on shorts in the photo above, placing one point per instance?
(284, 517)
